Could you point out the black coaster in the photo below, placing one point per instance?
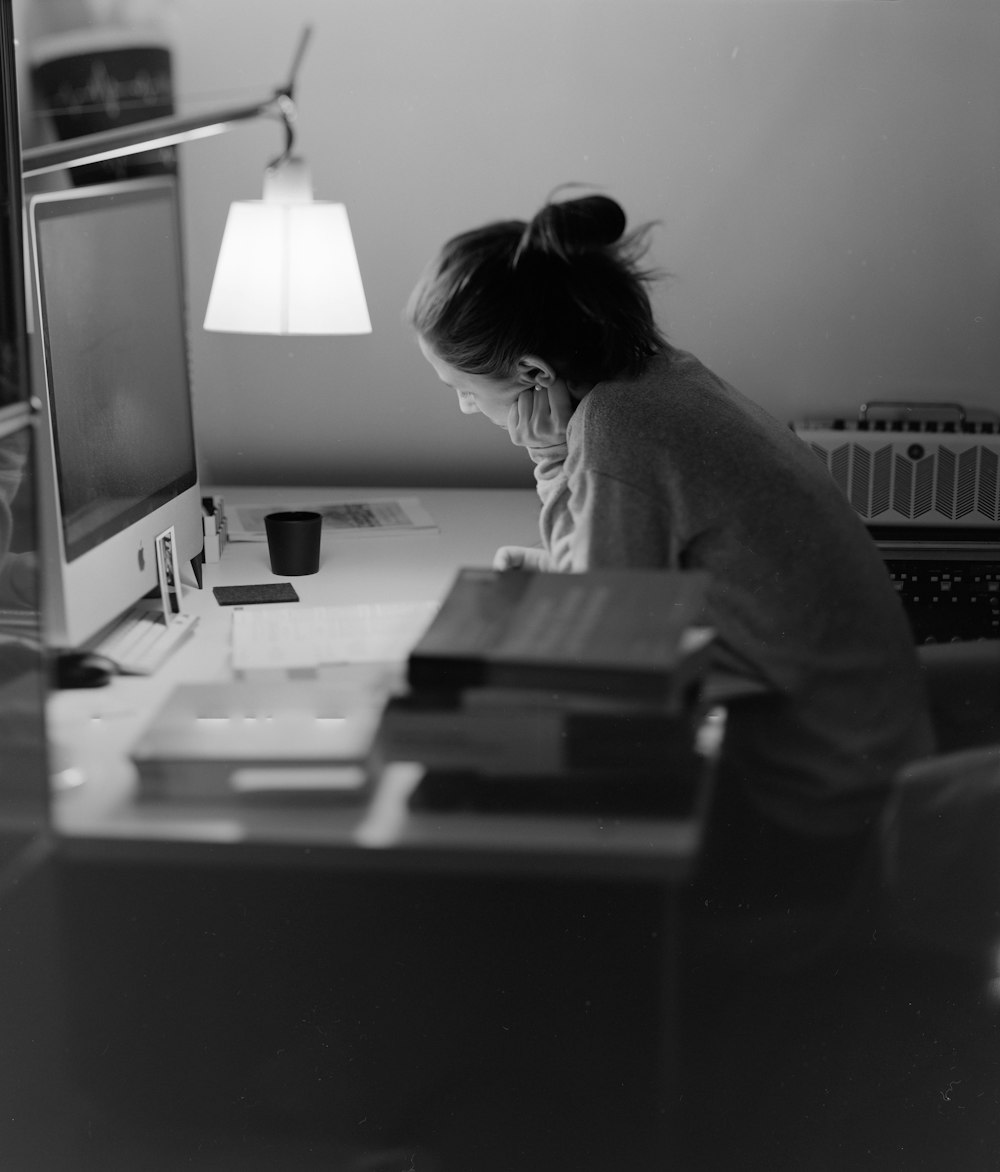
(263, 592)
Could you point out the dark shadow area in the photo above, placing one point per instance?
(216, 1018)
(223, 1017)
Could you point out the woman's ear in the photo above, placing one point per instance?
(533, 371)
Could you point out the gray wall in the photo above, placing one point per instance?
(826, 174)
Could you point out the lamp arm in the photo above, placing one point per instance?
(285, 99)
(143, 136)
(300, 52)
(287, 112)
(161, 132)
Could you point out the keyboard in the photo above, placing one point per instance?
(19, 620)
(141, 639)
(947, 600)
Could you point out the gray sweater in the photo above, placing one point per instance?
(676, 469)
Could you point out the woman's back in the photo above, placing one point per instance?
(677, 469)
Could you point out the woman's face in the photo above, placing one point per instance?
(476, 393)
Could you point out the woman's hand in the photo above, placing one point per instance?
(540, 416)
(519, 557)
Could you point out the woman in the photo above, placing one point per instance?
(643, 457)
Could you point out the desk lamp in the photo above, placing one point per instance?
(287, 264)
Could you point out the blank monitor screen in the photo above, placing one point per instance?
(109, 271)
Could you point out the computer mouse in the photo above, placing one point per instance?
(81, 669)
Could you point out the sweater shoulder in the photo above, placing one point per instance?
(673, 385)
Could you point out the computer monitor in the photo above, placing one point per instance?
(118, 464)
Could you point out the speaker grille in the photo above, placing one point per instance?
(929, 481)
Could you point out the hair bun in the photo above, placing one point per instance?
(592, 221)
(574, 226)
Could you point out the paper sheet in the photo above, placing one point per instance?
(296, 636)
(375, 517)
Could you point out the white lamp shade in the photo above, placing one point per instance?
(287, 268)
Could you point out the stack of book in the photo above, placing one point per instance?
(536, 688)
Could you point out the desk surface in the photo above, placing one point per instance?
(96, 812)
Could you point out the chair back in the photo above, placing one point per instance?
(963, 690)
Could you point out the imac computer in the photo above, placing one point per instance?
(118, 484)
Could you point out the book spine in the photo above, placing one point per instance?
(205, 781)
(535, 741)
(447, 673)
(673, 692)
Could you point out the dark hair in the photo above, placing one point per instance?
(567, 286)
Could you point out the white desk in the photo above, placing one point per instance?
(101, 819)
(92, 729)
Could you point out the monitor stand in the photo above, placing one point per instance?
(141, 639)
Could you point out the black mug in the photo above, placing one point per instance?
(293, 541)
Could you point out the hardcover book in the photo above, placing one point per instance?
(259, 740)
(636, 633)
(536, 735)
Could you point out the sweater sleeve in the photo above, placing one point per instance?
(551, 484)
(591, 520)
